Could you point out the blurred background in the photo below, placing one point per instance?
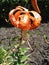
(7, 5)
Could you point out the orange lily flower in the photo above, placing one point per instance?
(22, 18)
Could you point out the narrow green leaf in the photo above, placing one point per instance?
(22, 42)
(16, 38)
(2, 54)
(24, 58)
(45, 37)
(24, 50)
(16, 45)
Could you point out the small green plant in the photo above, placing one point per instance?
(45, 39)
(5, 57)
(14, 56)
(19, 54)
(20, 58)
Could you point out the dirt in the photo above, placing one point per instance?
(40, 55)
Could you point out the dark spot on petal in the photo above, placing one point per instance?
(31, 21)
(22, 9)
(31, 14)
(19, 18)
(16, 11)
(22, 13)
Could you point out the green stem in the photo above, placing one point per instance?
(26, 38)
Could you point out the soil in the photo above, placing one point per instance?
(40, 55)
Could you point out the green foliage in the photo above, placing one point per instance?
(14, 56)
(5, 58)
(17, 57)
(20, 57)
(2, 54)
(16, 38)
(19, 54)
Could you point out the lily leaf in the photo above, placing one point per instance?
(24, 58)
(24, 50)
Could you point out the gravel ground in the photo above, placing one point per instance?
(40, 55)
